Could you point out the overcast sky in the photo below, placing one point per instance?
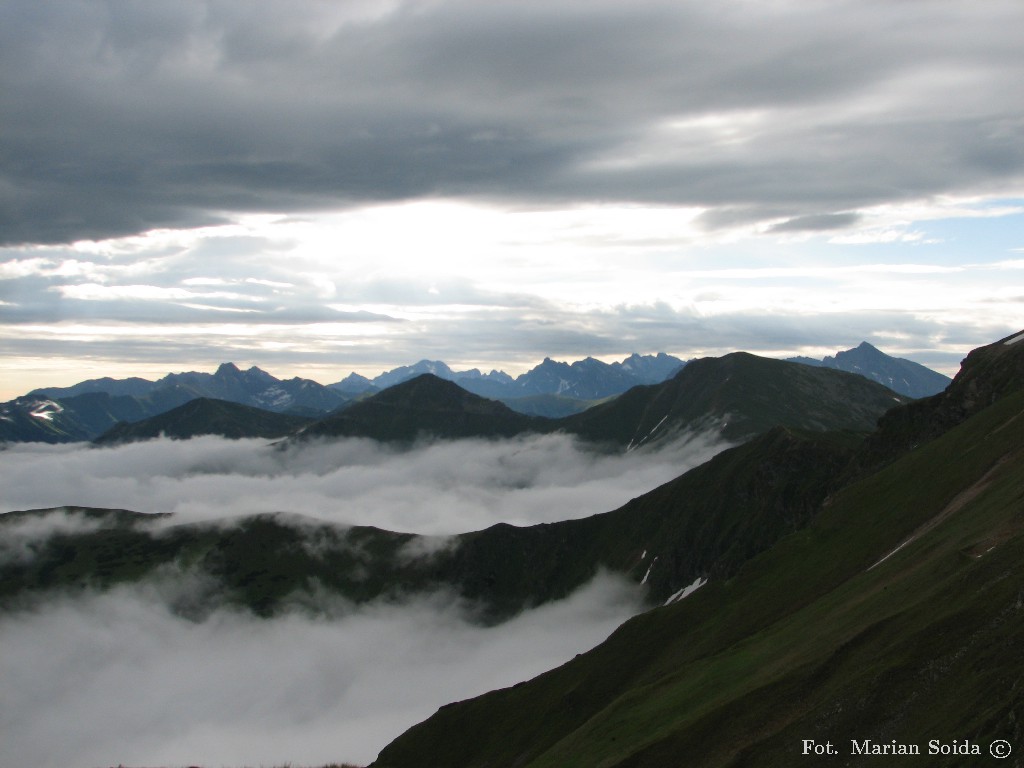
(321, 187)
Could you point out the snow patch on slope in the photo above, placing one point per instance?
(686, 591)
(651, 566)
(46, 409)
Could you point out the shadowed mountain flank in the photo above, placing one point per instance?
(892, 616)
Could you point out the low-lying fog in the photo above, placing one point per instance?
(438, 488)
(116, 678)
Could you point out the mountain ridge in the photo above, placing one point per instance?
(552, 389)
(742, 393)
(425, 406)
(738, 395)
(206, 416)
(703, 524)
(898, 374)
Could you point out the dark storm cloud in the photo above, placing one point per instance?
(123, 117)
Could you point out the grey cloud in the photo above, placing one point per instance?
(224, 280)
(819, 223)
(521, 331)
(659, 327)
(120, 119)
(212, 310)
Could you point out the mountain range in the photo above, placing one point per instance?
(799, 425)
(849, 571)
(553, 389)
(735, 396)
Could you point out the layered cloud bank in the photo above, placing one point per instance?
(439, 488)
(319, 188)
(183, 112)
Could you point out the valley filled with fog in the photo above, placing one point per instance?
(438, 488)
(117, 677)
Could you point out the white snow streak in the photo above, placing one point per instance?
(644, 579)
(685, 592)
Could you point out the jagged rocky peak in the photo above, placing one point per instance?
(227, 369)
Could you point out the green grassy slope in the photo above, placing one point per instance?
(705, 523)
(807, 641)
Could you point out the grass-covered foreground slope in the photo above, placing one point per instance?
(896, 614)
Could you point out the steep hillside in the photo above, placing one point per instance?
(986, 375)
(894, 615)
(704, 524)
(206, 416)
(740, 394)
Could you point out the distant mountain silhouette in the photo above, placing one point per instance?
(425, 406)
(900, 375)
(551, 389)
(206, 416)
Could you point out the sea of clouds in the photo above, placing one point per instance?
(117, 678)
(438, 488)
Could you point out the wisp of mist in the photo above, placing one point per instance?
(117, 678)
